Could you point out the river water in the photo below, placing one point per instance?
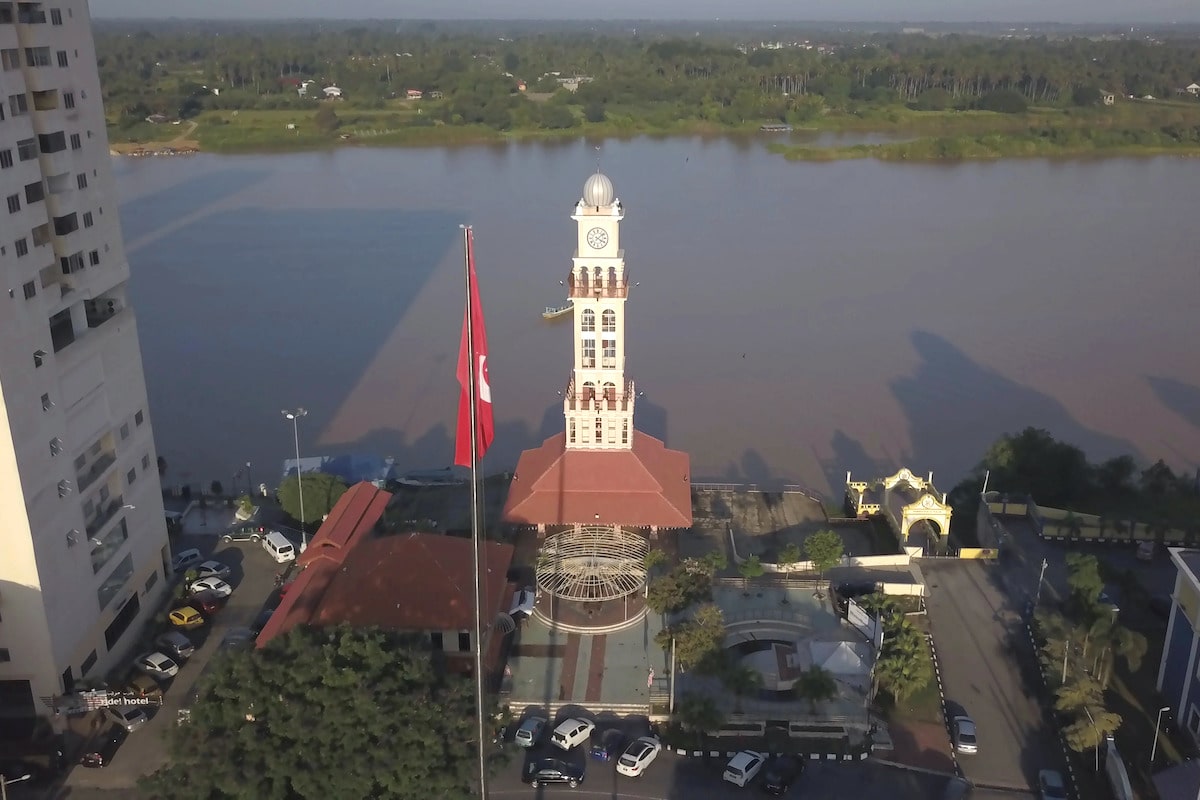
(793, 320)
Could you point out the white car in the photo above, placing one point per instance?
(185, 560)
(218, 587)
(212, 569)
(571, 732)
(742, 768)
(639, 755)
(522, 604)
(127, 717)
(157, 665)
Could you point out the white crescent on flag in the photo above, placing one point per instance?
(485, 388)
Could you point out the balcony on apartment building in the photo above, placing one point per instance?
(101, 309)
(27, 14)
(88, 474)
(103, 514)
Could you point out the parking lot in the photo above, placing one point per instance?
(988, 672)
(252, 576)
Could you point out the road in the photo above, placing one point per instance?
(988, 671)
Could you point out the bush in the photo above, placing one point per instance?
(1004, 101)
(933, 100)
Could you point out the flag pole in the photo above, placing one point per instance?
(472, 393)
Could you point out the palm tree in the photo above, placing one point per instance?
(816, 685)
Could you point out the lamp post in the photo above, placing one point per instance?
(4, 784)
(249, 482)
(295, 416)
(1038, 597)
(1157, 721)
(1097, 730)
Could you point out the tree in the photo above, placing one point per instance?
(698, 713)
(936, 99)
(816, 685)
(324, 713)
(216, 488)
(1082, 692)
(789, 554)
(555, 117)
(750, 568)
(696, 638)
(904, 665)
(1085, 96)
(1004, 101)
(824, 549)
(326, 119)
(655, 557)
(594, 112)
(1087, 732)
(1083, 577)
(321, 492)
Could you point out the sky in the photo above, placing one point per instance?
(1076, 11)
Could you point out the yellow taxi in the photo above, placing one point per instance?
(186, 617)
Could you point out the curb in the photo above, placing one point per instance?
(937, 674)
(910, 767)
(731, 753)
(1062, 741)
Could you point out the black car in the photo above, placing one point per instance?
(261, 620)
(246, 533)
(546, 771)
(107, 745)
(780, 773)
(608, 745)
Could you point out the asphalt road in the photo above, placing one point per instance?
(988, 672)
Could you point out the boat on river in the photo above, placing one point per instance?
(554, 312)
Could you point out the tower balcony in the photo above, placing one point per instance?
(607, 286)
(598, 398)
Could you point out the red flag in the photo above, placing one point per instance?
(485, 426)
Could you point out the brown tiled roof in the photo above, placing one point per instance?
(643, 486)
(406, 582)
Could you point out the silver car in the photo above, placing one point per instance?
(530, 731)
(963, 728)
(128, 717)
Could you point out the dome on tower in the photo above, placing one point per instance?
(598, 191)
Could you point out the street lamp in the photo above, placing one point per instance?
(4, 784)
(1097, 730)
(1157, 720)
(249, 482)
(295, 416)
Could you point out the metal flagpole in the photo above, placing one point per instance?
(472, 390)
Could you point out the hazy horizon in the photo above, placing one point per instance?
(949, 11)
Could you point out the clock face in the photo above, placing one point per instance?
(597, 238)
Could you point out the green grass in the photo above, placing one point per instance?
(923, 705)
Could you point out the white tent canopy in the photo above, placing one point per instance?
(840, 658)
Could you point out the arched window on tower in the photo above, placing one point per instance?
(583, 277)
(608, 320)
(610, 394)
(587, 321)
(589, 391)
(571, 430)
(612, 277)
(599, 279)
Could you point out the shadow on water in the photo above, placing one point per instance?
(957, 408)
(147, 214)
(849, 455)
(319, 317)
(1182, 398)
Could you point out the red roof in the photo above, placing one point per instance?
(647, 485)
(405, 582)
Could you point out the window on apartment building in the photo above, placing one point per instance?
(56, 446)
(1, 112)
(68, 99)
(10, 59)
(88, 663)
(464, 642)
(55, 16)
(139, 418)
(22, 247)
(27, 149)
(52, 142)
(18, 104)
(76, 142)
(41, 234)
(5, 656)
(94, 258)
(6, 158)
(153, 579)
(47, 404)
(145, 462)
(81, 180)
(435, 640)
(125, 430)
(131, 476)
(72, 263)
(35, 192)
(87, 219)
(6, 13)
(62, 58)
(14, 203)
(30, 289)
(37, 56)
(39, 358)
(68, 223)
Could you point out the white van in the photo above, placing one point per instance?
(278, 547)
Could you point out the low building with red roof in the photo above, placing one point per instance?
(354, 574)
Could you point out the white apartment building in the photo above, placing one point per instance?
(83, 542)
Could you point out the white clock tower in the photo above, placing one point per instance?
(598, 404)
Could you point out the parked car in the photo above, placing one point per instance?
(261, 620)
(207, 602)
(638, 756)
(186, 618)
(246, 533)
(962, 734)
(279, 547)
(215, 585)
(530, 731)
(156, 665)
(742, 768)
(1145, 551)
(780, 773)
(212, 569)
(185, 560)
(609, 745)
(1051, 785)
(522, 603)
(128, 717)
(142, 685)
(553, 770)
(176, 645)
(571, 732)
(107, 746)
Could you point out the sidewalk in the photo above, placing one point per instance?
(923, 745)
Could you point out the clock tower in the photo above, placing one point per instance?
(598, 405)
